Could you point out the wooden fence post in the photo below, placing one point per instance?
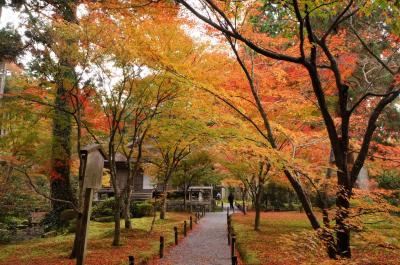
(184, 228)
(190, 223)
(176, 235)
(233, 243)
(229, 235)
(161, 247)
(131, 260)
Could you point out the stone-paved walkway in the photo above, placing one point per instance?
(206, 245)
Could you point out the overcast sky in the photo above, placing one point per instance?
(8, 16)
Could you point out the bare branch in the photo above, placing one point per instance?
(238, 36)
(41, 193)
(370, 95)
(365, 45)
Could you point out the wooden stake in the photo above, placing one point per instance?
(233, 243)
(176, 235)
(161, 247)
(81, 253)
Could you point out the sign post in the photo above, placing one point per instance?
(93, 158)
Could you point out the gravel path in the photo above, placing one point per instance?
(206, 245)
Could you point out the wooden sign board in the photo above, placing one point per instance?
(94, 158)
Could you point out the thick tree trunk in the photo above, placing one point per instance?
(329, 240)
(80, 196)
(117, 221)
(60, 185)
(342, 229)
(327, 236)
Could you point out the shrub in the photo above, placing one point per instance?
(390, 180)
(140, 209)
(103, 208)
(12, 221)
(394, 198)
(52, 221)
(5, 236)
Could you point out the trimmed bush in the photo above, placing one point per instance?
(140, 209)
(103, 208)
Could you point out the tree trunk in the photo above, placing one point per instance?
(329, 240)
(128, 194)
(303, 198)
(185, 201)
(117, 221)
(127, 208)
(184, 197)
(257, 206)
(327, 236)
(342, 213)
(60, 185)
(154, 215)
(244, 202)
(163, 209)
(61, 155)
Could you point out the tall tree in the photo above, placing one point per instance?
(314, 33)
(58, 70)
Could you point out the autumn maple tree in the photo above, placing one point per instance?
(298, 94)
(314, 29)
